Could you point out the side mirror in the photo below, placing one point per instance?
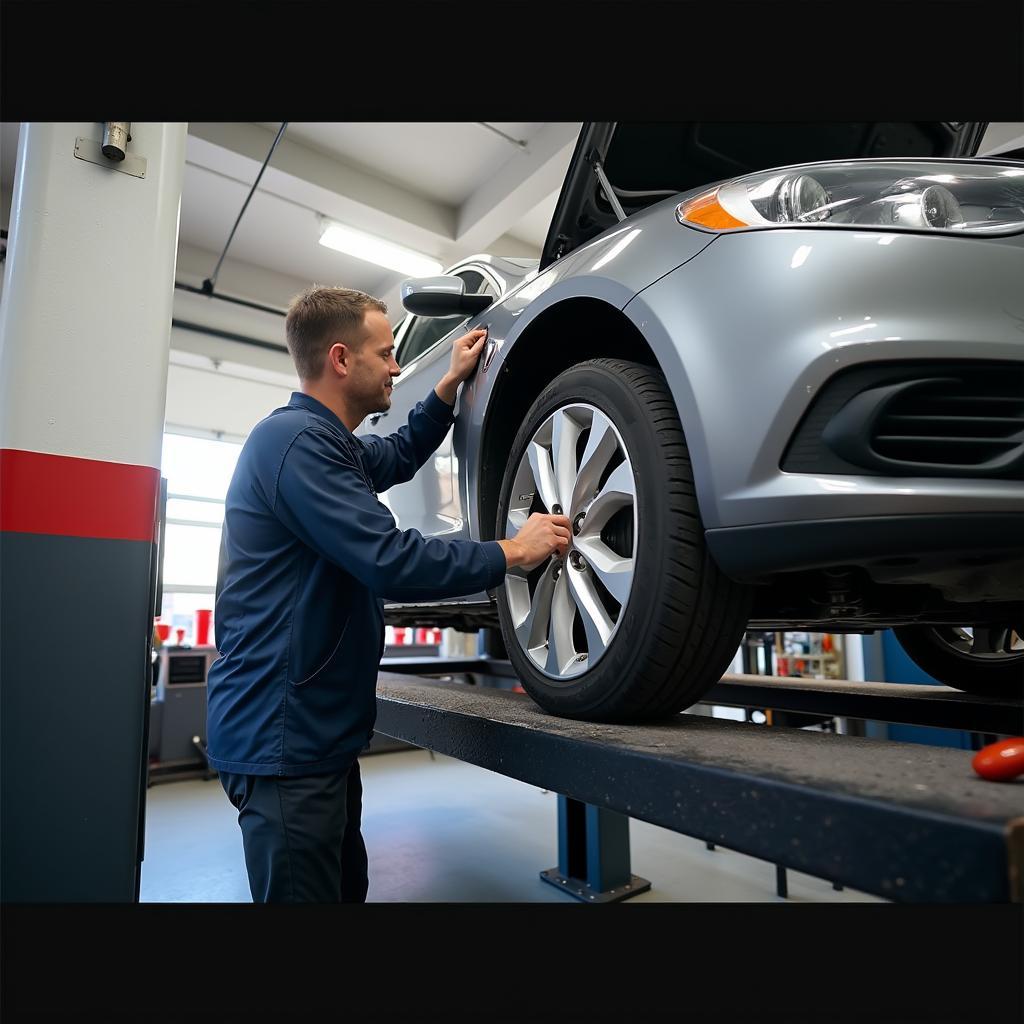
(441, 296)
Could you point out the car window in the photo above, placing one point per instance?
(425, 331)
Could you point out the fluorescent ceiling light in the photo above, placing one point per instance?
(376, 250)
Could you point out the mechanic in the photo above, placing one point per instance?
(307, 555)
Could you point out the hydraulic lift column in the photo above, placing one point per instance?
(84, 332)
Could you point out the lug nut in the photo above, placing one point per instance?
(577, 561)
(556, 510)
(577, 523)
(556, 570)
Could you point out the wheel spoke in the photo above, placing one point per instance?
(516, 520)
(614, 571)
(991, 640)
(596, 621)
(534, 628)
(561, 650)
(601, 446)
(565, 432)
(618, 492)
(543, 474)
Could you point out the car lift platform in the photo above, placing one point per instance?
(940, 707)
(907, 822)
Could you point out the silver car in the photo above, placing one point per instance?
(770, 399)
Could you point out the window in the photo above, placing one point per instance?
(198, 471)
(425, 331)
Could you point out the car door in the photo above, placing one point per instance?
(430, 502)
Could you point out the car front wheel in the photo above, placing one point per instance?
(637, 622)
(985, 660)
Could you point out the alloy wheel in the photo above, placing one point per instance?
(565, 613)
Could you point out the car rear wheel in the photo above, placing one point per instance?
(637, 622)
(986, 660)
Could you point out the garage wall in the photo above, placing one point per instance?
(216, 385)
(222, 386)
(215, 403)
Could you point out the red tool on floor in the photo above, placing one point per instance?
(1002, 761)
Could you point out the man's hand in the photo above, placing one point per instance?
(541, 537)
(465, 354)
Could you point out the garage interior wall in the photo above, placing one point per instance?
(216, 386)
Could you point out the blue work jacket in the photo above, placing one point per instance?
(307, 555)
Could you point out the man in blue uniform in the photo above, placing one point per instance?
(307, 555)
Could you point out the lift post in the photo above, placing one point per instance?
(593, 854)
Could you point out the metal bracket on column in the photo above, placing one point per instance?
(593, 854)
(90, 150)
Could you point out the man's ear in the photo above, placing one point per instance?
(337, 358)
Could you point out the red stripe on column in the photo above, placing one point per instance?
(56, 494)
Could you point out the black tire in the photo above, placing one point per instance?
(683, 619)
(929, 649)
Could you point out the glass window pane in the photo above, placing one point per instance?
(424, 333)
(190, 555)
(197, 465)
(179, 610)
(204, 511)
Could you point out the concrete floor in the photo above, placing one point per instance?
(440, 830)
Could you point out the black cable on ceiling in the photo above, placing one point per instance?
(181, 286)
(216, 332)
(211, 281)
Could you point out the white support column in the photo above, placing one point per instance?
(85, 321)
(86, 313)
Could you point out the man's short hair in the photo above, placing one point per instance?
(321, 317)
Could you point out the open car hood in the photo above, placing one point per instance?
(646, 162)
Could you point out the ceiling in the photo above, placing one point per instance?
(444, 189)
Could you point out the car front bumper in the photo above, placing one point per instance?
(750, 331)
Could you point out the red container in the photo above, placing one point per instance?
(203, 616)
(163, 630)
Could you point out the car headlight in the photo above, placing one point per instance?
(891, 194)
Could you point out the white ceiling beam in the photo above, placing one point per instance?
(1001, 136)
(509, 245)
(526, 179)
(309, 178)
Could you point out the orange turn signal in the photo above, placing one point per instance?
(708, 212)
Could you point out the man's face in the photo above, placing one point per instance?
(372, 367)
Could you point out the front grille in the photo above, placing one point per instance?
(975, 419)
(916, 419)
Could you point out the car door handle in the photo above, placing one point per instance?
(489, 351)
(376, 418)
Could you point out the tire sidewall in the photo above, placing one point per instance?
(959, 670)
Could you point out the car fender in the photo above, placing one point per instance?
(611, 269)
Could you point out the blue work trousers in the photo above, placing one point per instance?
(301, 835)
